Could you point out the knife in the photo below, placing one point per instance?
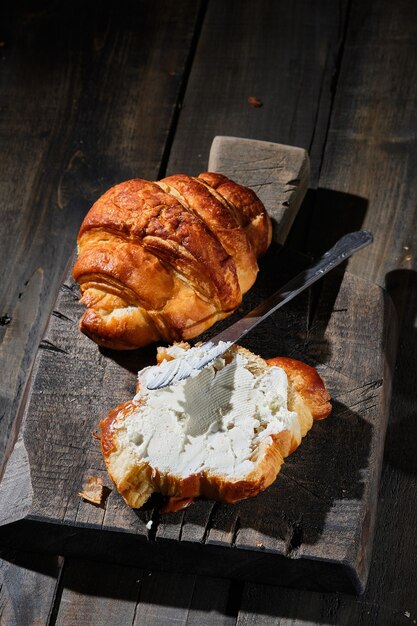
(178, 369)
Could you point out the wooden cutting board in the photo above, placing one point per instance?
(314, 526)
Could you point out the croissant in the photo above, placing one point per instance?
(223, 434)
(166, 260)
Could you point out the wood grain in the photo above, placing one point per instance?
(165, 599)
(28, 584)
(284, 53)
(371, 147)
(278, 174)
(214, 602)
(93, 594)
(77, 83)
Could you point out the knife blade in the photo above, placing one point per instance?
(183, 367)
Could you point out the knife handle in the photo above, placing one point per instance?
(342, 250)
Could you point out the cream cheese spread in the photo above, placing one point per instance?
(185, 363)
(214, 421)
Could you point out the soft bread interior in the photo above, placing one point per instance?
(222, 434)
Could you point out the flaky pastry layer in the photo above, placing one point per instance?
(166, 260)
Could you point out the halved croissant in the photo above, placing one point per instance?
(223, 435)
(167, 259)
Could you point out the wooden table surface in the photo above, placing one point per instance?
(93, 93)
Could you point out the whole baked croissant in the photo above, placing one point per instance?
(166, 260)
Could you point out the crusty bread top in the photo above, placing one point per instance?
(167, 259)
(137, 476)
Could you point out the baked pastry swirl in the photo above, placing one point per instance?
(166, 260)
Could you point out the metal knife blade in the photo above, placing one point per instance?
(179, 369)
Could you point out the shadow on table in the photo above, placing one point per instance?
(400, 447)
(324, 217)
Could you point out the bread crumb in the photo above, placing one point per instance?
(255, 102)
(94, 491)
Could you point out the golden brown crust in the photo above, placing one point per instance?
(220, 218)
(305, 382)
(167, 260)
(251, 215)
(136, 481)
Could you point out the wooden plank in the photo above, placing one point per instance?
(28, 585)
(214, 603)
(278, 174)
(320, 512)
(300, 608)
(260, 606)
(370, 153)
(284, 53)
(167, 599)
(88, 97)
(378, 164)
(94, 594)
(164, 599)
